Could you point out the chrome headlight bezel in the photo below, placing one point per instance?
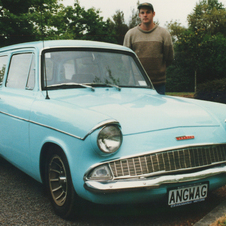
(101, 172)
(109, 139)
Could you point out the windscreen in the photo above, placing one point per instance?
(92, 68)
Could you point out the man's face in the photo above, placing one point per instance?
(146, 15)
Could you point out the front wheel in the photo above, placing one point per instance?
(59, 185)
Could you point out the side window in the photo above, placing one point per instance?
(49, 69)
(3, 61)
(31, 76)
(21, 73)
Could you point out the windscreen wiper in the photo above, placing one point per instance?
(72, 84)
(106, 85)
(114, 86)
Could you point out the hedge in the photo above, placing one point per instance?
(212, 91)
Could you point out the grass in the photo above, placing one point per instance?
(220, 222)
(181, 94)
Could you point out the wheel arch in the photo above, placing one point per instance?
(67, 206)
(46, 150)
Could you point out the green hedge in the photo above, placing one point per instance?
(212, 90)
(179, 79)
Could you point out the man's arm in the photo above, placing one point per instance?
(127, 41)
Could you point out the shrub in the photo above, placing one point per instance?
(212, 90)
(179, 79)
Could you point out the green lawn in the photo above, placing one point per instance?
(181, 94)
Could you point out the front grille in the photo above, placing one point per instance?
(169, 161)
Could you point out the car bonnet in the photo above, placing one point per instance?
(143, 112)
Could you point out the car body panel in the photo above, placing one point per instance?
(15, 115)
(123, 106)
(72, 119)
(130, 104)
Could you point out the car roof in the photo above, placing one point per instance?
(65, 43)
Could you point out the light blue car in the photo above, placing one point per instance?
(83, 118)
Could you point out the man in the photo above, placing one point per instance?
(153, 45)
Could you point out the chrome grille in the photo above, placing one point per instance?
(168, 161)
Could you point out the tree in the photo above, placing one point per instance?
(180, 75)
(93, 26)
(175, 30)
(207, 40)
(73, 22)
(210, 16)
(119, 26)
(15, 23)
(22, 21)
(212, 58)
(135, 19)
(202, 45)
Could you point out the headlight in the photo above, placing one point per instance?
(109, 139)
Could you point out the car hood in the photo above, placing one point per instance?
(142, 112)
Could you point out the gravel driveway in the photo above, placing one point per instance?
(23, 202)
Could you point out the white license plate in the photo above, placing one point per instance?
(187, 195)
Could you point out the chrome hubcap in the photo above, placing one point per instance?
(58, 180)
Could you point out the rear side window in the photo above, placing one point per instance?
(3, 62)
(21, 71)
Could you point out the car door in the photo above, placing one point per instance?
(16, 97)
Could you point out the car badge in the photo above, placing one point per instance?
(185, 137)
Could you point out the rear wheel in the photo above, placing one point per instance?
(59, 184)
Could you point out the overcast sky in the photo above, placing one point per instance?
(166, 10)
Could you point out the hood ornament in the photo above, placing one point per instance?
(185, 137)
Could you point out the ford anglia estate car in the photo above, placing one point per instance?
(83, 118)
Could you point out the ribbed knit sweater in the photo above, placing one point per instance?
(154, 48)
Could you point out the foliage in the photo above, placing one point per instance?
(175, 30)
(179, 79)
(119, 26)
(41, 17)
(213, 58)
(201, 47)
(135, 19)
(209, 16)
(212, 91)
(220, 221)
(180, 75)
(88, 25)
(181, 94)
(22, 21)
(74, 22)
(15, 23)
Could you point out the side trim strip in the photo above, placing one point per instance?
(106, 122)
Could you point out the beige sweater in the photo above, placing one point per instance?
(154, 49)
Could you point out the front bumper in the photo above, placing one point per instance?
(150, 183)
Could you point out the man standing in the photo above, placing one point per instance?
(153, 45)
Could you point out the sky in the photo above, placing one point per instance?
(165, 10)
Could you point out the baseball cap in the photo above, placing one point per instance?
(147, 5)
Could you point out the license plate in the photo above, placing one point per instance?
(187, 195)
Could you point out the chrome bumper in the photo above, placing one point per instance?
(149, 183)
